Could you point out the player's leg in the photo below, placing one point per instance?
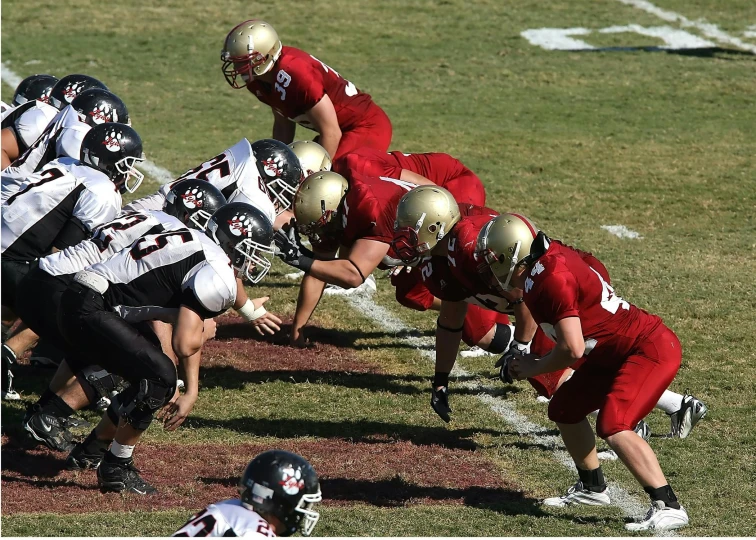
(11, 274)
(488, 330)
(636, 389)
(684, 412)
(374, 131)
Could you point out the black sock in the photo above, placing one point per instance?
(55, 405)
(440, 379)
(664, 494)
(94, 445)
(592, 480)
(45, 398)
(501, 340)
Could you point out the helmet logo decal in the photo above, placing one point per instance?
(103, 113)
(240, 225)
(291, 480)
(72, 90)
(193, 198)
(113, 141)
(273, 166)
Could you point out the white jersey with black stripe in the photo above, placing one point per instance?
(107, 240)
(158, 273)
(62, 137)
(234, 172)
(227, 518)
(64, 191)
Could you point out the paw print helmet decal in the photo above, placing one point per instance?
(246, 235)
(97, 106)
(70, 86)
(280, 171)
(193, 201)
(114, 149)
(34, 87)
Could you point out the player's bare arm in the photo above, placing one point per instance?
(570, 348)
(351, 272)
(253, 311)
(323, 119)
(10, 147)
(418, 179)
(310, 293)
(283, 128)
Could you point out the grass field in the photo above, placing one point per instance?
(663, 143)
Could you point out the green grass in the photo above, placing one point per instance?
(661, 143)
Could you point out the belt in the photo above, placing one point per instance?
(92, 281)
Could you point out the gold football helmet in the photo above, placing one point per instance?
(503, 244)
(251, 49)
(317, 202)
(423, 217)
(313, 157)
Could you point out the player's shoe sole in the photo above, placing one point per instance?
(660, 518)
(691, 412)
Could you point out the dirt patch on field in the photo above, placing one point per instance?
(191, 476)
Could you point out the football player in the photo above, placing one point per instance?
(302, 90)
(277, 497)
(25, 124)
(60, 205)
(181, 276)
(34, 87)
(629, 358)
(189, 204)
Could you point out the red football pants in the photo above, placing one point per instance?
(624, 392)
(374, 131)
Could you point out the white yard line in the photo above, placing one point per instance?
(622, 232)
(630, 505)
(162, 175)
(709, 30)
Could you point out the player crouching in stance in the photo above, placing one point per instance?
(631, 357)
(277, 495)
(182, 276)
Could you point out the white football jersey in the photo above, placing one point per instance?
(63, 191)
(28, 121)
(107, 240)
(61, 138)
(158, 273)
(234, 173)
(227, 518)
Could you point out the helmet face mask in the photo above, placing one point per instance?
(251, 49)
(114, 149)
(131, 176)
(250, 260)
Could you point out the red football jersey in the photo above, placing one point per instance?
(562, 284)
(301, 82)
(436, 167)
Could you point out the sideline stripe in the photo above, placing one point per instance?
(162, 175)
(709, 30)
(382, 317)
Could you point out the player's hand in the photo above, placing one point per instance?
(177, 411)
(208, 330)
(515, 349)
(523, 366)
(297, 338)
(396, 270)
(267, 323)
(290, 250)
(440, 402)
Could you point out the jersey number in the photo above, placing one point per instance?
(284, 79)
(207, 522)
(610, 301)
(102, 240)
(140, 250)
(48, 176)
(218, 163)
(350, 90)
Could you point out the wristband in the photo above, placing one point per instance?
(248, 311)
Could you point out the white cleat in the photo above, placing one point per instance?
(368, 287)
(577, 494)
(475, 352)
(683, 421)
(11, 395)
(660, 517)
(294, 275)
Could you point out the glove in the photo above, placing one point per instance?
(290, 250)
(516, 348)
(440, 403)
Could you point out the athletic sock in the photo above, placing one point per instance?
(53, 404)
(592, 480)
(121, 451)
(94, 445)
(669, 402)
(440, 379)
(664, 494)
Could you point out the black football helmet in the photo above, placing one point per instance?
(97, 106)
(246, 235)
(70, 86)
(34, 87)
(280, 170)
(284, 485)
(114, 149)
(193, 201)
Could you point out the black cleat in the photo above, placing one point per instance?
(121, 477)
(48, 429)
(80, 458)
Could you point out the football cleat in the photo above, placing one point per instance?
(684, 420)
(577, 494)
(643, 430)
(660, 517)
(80, 459)
(48, 429)
(121, 477)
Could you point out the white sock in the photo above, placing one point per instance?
(122, 451)
(594, 413)
(669, 402)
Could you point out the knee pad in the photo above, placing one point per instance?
(100, 386)
(502, 338)
(149, 397)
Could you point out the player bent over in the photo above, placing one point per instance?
(631, 357)
(277, 496)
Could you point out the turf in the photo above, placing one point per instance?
(660, 142)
